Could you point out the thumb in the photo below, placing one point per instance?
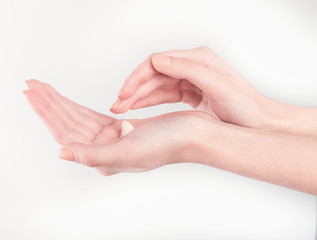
(93, 156)
(184, 68)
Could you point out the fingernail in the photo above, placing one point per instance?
(115, 105)
(161, 61)
(66, 154)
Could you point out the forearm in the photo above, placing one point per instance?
(293, 119)
(282, 159)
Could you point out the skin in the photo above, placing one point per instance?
(200, 78)
(94, 138)
(233, 126)
(284, 159)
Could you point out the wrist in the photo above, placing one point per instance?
(205, 142)
(279, 116)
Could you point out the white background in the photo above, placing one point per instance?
(86, 49)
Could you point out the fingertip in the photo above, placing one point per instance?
(117, 111)
(161, 61)
(114, 107)
(25, 92)
(118, 107)
(28, 84)
(116, 104)
(66, 154)
(31, 83)
(113, 111)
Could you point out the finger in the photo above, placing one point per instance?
(162, 96)
(191, 98)
(60, 130)
(87, 115)
(190, 94)
(141, 74)
(158, 81)
(91, 119)
(90, 116)
(158, 97)
(109, 155)
(32, 83)
(103, 119)
(71, 117)
(183, 68)
(145, 70)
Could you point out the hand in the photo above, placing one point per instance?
(201, 79)
(93, 139)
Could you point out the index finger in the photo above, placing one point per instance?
(145, 71)
(140, 75)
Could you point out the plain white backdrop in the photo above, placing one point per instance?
(86, 49)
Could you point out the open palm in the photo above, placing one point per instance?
(94, 138)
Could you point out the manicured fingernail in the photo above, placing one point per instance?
(66, 154)
(115, 105)
(161, 61)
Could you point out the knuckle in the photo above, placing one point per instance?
(205, 49)
(207, 54)
(188, 63)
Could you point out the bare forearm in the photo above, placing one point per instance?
(282, 159)
(293, 119)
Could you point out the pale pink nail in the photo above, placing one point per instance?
(66, 154)
(161, 61)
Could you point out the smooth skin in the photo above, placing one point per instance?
(94, 138)
(203, 80)
(234, 127)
